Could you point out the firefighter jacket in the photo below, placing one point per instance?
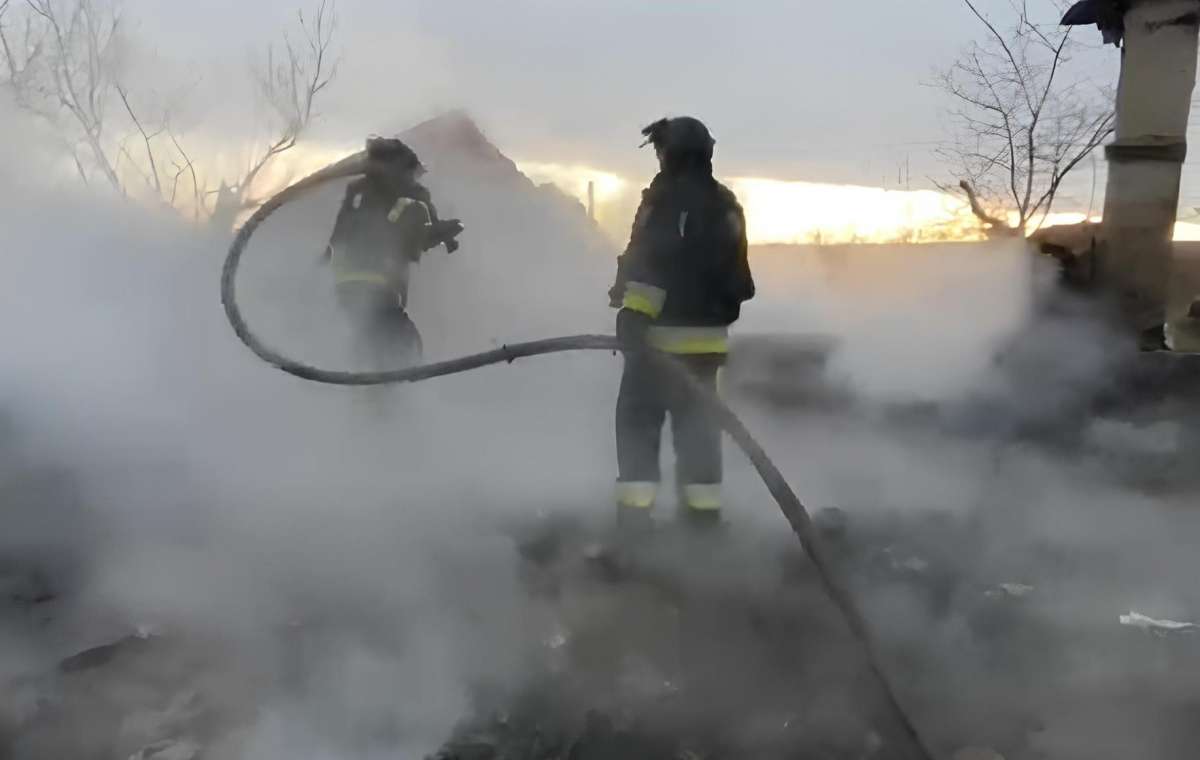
(686, 265)
(381, 229)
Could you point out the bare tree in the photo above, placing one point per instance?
(165, 163)
(21, 55)
(63, 64)
(62, 60)
(294, 74)
(1019, 124)
(63, 68)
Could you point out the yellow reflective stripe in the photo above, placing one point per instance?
(703, 497)
(690, 340)
(645, 299)
(402, 205)
(373, 278)
(635, 302)
(637, 495)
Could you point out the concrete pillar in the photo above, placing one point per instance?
(1158, 74)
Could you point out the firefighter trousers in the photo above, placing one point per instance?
(385, 336)
(646, 398)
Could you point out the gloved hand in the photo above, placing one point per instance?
(632, 327)
(445, 231)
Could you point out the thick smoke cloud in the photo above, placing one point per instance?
(344, 560)
(223, 500)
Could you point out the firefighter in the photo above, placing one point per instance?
(386, 222)
(680, 284)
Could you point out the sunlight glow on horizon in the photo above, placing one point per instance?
(778, 212)
(793, 212)
(573, 179)
(783, 212)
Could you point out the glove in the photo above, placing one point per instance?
(445, 231)
(616, 295)
(632, 327)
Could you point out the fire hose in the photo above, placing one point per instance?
(791, 506)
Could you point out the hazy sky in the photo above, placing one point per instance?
(797, 90)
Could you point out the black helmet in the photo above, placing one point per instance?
(679, 136)
(393, 152)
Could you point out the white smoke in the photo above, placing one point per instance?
(346, 551)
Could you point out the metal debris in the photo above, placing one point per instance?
(169, 750)
(977, 753)
(1160, 627)
(1015, 590)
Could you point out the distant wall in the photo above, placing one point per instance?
(1187, 265)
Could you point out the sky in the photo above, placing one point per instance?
(800, 96)
(819, 94)
(830, 92)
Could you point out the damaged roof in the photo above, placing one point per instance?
(1107, 15)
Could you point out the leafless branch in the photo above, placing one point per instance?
(1104, 126)
(978, 209)
(291, 84)
(1010, 137)
(1017, 69)
(1034, 28)
(1036, 115)
(146, 138)
(1017, 127)
(61, 61)
(190, 166)
(21, 58)
(123, 150)
(79, 167)
(71, 75)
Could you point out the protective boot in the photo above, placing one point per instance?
(702, 521)
(700, 506)
(634, 523)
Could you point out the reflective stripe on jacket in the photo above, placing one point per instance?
(380, 232)
(686, 265)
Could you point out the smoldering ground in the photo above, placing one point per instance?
(977, 426)
(222, 499)
(342, 564)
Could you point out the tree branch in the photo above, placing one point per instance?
(1035, 117)
(1103, 130)
(291, 87)
(122, 150)
(79, 167)
(1010, 137)
(85, 110)
(10, 60)
(145, 139)
(197, 202)
(1018, 129)
(977, 208)
(1016, 67)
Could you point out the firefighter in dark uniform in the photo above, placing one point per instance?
(680, 285)
(386, 221)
